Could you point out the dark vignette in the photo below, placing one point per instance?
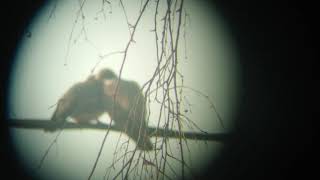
(274, 131)
(16, 15)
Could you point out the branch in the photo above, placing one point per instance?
(153, 131)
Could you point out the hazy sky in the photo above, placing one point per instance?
(40, 77)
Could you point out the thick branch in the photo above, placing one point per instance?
(46, 124)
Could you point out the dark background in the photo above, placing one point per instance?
(274, 132)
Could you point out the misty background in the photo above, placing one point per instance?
(47, 63)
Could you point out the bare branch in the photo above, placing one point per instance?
(159, 132)
(120, 73)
